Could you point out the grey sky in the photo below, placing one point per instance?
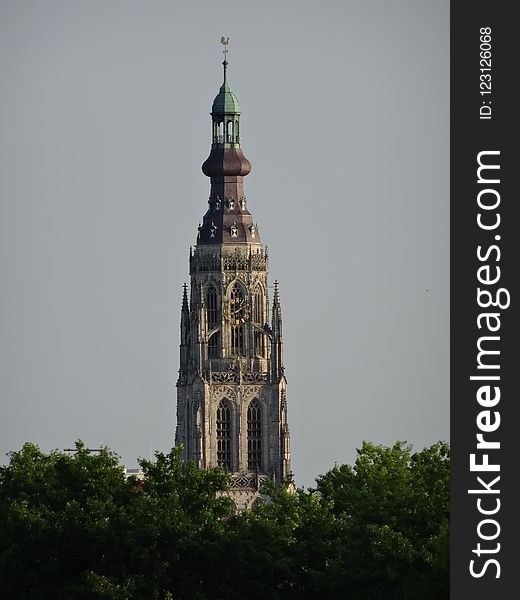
(104, 124)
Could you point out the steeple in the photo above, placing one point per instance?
(231, 392)
(227, 220)
(226, 103)
(225, 117)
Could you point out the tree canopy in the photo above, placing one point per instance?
(74, 527)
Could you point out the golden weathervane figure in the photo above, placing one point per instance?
(225, 41)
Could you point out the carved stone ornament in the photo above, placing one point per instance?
(247, 481)
(224, 377)
(221, 391)
(250, 390)
(254, 377)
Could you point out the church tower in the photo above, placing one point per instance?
(231, 391)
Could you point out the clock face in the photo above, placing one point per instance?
(238, 311)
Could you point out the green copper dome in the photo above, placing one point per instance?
(225, 101)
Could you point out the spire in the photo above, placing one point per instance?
(277, 369)
(185, 317)
(277, 312)
(228, 219)
(225, 103)
(185, 297)
(185, 336)
(276, 296)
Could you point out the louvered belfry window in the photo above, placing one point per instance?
(237, 340)
(211, 307)
(224, 435)
(254, 435)
(258, 308)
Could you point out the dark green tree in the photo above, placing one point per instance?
(393, 509)
(73, 527)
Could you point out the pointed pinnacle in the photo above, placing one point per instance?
(276, 298)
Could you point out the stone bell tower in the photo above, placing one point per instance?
(231, 391)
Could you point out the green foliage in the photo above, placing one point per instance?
(75, 528)
(394, 506)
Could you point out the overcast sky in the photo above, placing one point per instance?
(104, 124)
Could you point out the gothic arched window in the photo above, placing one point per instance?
(224, 435)
(254, 435)
(213, 345)
(230, 132)
(211, 307)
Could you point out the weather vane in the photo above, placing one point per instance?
(225, 41)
